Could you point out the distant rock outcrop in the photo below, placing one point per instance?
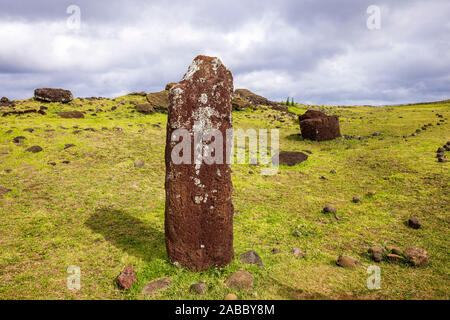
(159, 100)
(316, 125)
(253, 98)
(5, 102)
(53, 95)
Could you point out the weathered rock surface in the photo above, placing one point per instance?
(231, 296)
(417, 256)
(347, 262)
(290, 158)
(240, 104)
(146, 108)
(126, 278)
(414, 223)
(170, 85)
(159, 100)
(71, 115)
(253, 98)
(251, 257)
(316, 125)
(34, 149)
(377, 253)
(53, 95)
(298, 252)
(156, 285)
(240, 280)
(199, 210)
(198, 288)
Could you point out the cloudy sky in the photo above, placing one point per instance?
(319, 52)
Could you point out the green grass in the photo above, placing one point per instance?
(100, 213)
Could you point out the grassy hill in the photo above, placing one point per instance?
(88, 205)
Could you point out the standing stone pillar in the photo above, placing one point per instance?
(199, 211)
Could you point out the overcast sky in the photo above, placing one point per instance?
(319, 52)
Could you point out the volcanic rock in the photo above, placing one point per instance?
(145, 108)
(34, 149)
(290, 158)
(251, 257)
(240, 280)
(159, 100)
(53, 95)
(347, 262)
(414, 223)
(199, 209)
(417, 256)
(126, 278)
(316, 125)
(198, 288)
(156, 285)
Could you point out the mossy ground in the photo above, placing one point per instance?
(101, 213)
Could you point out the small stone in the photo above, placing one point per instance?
(377, 253)
(126, 278)
(376, 134)
(231, 296)
(372, 192)
(414, 223)
(30, 130)
(34, 149)
(440, 150)
(198, 288)
(297, 252)
(251, 257)
(323, 178)
(356, 200)
(156, 285)
(139, 164)
(333, 171)
(417, 256)
(394, 250)
(18, 139)
(347, 262)
(275, 251)
(297, 234)
(329, 209)
(240, 280)
(394, 257)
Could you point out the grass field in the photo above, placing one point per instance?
(100, 213)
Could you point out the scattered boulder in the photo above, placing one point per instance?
(69, 145)
(275, 250)
(297, 234)
(414, 223)
(290, 158)
(372, 192)
(159, 101)
(347, 262)
(126, 278)
(356, 200)
(417, 256)
(5, 102)
(139, 164)
(30, 130)
(251, 257)
(145, 108)
(18, 139)
(71, 115)
(329, 209)
(316, 125)
(240, 104)
(254, 99)
(297, 252)
(394, 250)
(240, 280)
(156, 285)
(394, 257)
(377, 253)
(34, 149)
(53, 95)
(198, 288)
(231, 296)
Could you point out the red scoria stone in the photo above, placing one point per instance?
(199, 211)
